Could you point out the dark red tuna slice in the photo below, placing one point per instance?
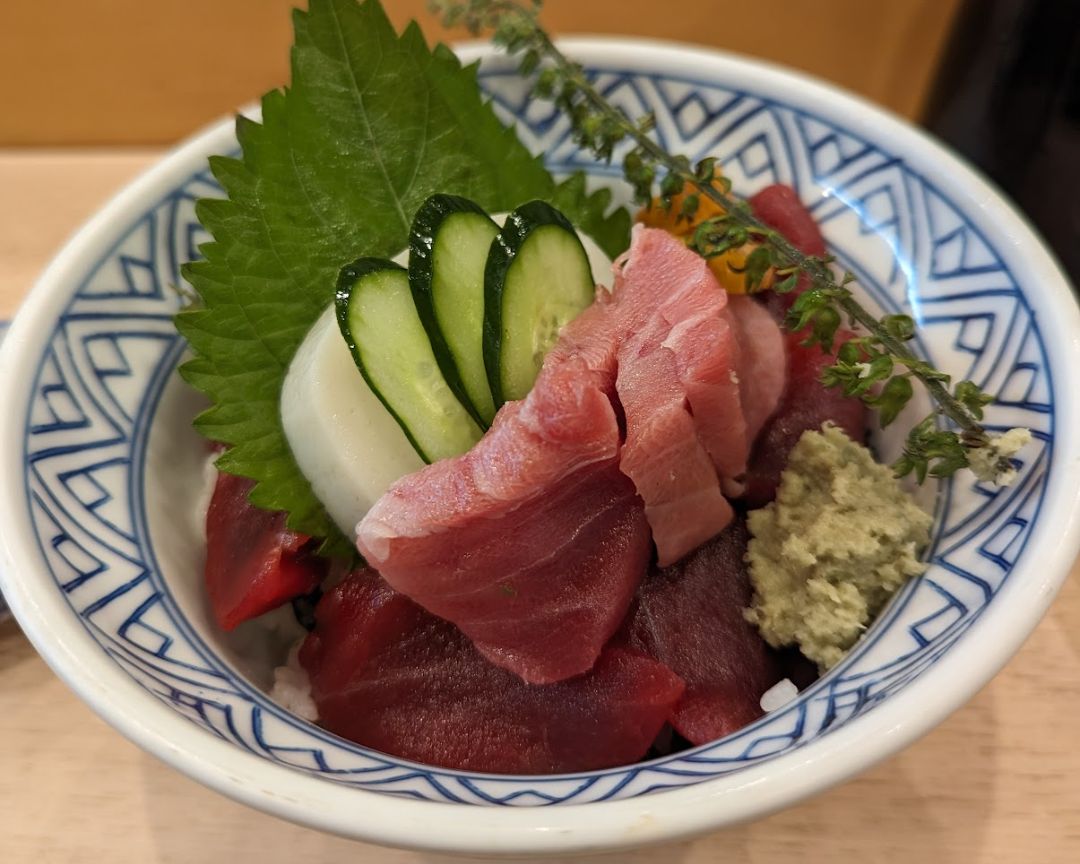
(390, 676)
(690, 618)
(779, 207)
(532, 543)
(807, 403)
(253, 562)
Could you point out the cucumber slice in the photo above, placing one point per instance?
(448, 248)
(382, 328)
(537, 279)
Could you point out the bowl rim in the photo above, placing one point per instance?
(750, 793)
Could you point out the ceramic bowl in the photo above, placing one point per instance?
(3, 605)
(99, 473)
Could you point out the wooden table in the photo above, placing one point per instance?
(997, 782)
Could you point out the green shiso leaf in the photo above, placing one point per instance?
(372, 124)
(590, 213)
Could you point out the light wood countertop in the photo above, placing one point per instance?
(997, 782)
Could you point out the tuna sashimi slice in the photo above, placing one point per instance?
(591, 339)
(707, 359)
(779, 207)
(807, 403)
(532, 543)
(762, 361)
(690, 618)
(253, 562)
(663, 455)
(665, 294)
(388, 675)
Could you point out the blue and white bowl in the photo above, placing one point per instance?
(100, 472)
(3, 606)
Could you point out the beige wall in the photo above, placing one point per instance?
(151, 71)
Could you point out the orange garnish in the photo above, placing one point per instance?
(728, 267)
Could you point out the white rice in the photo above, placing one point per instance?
(292, 687)
(778, 695)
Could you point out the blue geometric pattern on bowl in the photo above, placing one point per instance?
(114, 348)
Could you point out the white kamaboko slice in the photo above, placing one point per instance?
(348, 445)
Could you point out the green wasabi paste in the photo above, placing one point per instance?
(839, 540)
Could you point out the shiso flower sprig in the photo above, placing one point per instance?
(876, 366)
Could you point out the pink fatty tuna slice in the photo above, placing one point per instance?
(690, 618)
(388, 675)
(762, 361)
(533, 542)
(662, 454)
(664, 337)
(706, 354)
(590, 340)
(665, 294)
